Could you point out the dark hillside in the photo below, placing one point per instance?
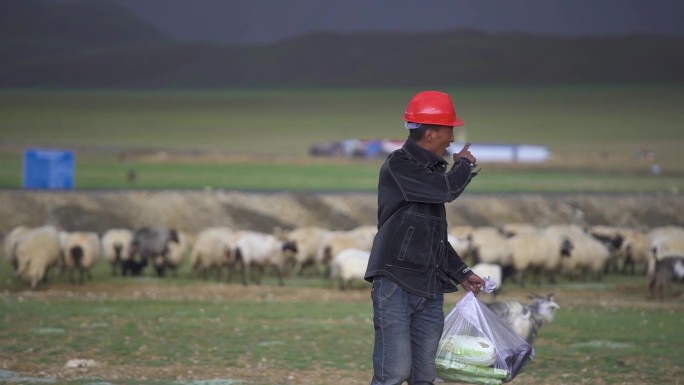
(35, 28)
(89, 44)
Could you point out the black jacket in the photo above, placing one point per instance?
(411, 246)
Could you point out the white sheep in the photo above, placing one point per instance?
(81, 250)
(490, 246)
(635, 249)
(116, 246)
(37, 252)
(10, 244)
(633, 246)
(336, 241)
(258, 251)
(349, 265)
(664, 240)
(668, 269)
(366, 234)
(212, 250)
(308, 240)
(589, 255)
(511, 229)
(539, 252)
(461, 239)
(613, 238)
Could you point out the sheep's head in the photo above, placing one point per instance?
(566, 247)
(289, 249)
(290, 246)
(228, 256)
(174, 236)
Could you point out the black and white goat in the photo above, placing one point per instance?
(526, 319)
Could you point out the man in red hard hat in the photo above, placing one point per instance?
(412, 264)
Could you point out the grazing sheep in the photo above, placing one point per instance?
(636, 249)
(81, 250)
(308, 240)
(10, 244)
(37, 252)
(212, 250)
(665, 240)
(539, 252)
(526, 319)
(461, 239)
(670, 268)
(258, 251)
(491, 246)
(116, 245)
(177, 251)
(511, 229)
(365, 234)
(148, 243)
(336, 241)
(349, 265)
(612, 237)
(589, 254)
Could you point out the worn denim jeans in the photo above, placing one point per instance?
(407, 331)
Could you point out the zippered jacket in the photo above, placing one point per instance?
(411, 246)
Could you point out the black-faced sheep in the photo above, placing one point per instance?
(147, 244)
(636, 249)
(628, 246)
(308, 240)
(670, 268)
(213, 250)
(526, 319)
(539, 252)
(81, 250)
(259, 251)
(116, 245)
(590, 255)
(10, 244)
(349, 265)
(512, 229)
(613, 238)
(37, 252)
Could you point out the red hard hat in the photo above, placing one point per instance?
(432, 107)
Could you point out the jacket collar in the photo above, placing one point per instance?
(421, 155)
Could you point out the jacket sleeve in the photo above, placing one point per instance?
(420, 184)
(454, 267)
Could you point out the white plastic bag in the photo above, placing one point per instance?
(477, 347)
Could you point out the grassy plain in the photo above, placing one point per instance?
(186, 330)
(600, 137)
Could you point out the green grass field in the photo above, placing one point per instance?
(186, 330)
(260, 139)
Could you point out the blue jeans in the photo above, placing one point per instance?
(407, 331)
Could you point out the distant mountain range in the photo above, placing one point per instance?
(91, 44)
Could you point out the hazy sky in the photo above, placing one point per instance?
(263, 21)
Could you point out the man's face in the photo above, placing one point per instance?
(440, 140)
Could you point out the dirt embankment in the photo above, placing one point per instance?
(195, 210)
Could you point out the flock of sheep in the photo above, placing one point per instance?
(515, 252)
(522, 251)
